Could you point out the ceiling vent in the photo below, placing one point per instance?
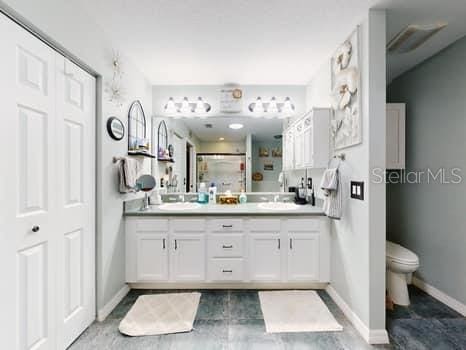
(413, 36)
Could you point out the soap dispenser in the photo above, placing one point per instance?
(242, 197)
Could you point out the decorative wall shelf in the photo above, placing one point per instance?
(140, 153)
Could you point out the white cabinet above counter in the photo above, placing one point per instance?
(212, 251)
(306, 142)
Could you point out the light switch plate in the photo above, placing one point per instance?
(357, 190)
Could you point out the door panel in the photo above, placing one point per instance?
(188, 257)
(46, 252)
(75, 101)
(32, 300)
(303, 257)
(27, 246)
(265, 257)
(152, 257)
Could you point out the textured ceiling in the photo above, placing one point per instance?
(260, 41)
(218, 41)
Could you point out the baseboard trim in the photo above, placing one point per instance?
(241, 285)
(371, 336)
(108, 308)
(440, 296)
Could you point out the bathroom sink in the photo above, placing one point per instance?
(278, 206)
(179, 206)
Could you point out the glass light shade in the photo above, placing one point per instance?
(185, 107)
(200, 107)
(170, 107)
(288, 107)
(273, 107)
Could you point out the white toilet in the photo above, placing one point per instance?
(401, 263)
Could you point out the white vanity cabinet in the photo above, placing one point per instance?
(187, 257)
(240, 250)
(146, 250)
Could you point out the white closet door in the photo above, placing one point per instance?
(75, 187)
(47, 200)
(28, 257)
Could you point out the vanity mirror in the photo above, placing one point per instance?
(138, 143)
(225, 151)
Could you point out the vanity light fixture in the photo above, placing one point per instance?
(186, 108)
(272, 108)
(236, 126)
(221, 139)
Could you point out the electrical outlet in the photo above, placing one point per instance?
(357, 190)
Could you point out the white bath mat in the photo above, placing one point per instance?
(161, 314)
(296, 311)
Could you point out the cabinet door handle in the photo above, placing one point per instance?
(279, 244)
(176, 245)
(227, 246)
(163, 243)
(291, 243)
(227, 271)
(35, 228)
(227, 226)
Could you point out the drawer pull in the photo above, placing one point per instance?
(291, 243)
(227, 226)
(176, 245)
(227, 271)
(163, 243)
(227, 246)
(279, 244)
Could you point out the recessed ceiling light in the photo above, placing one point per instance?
(236, 126)
(221, 139)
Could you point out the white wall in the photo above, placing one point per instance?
(358, 239)
(68, 25)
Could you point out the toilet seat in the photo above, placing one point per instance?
(398, 254)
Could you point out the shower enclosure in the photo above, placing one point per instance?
(226, 171)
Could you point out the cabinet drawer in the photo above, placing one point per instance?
(303, 225)
(151, 225)
(226, 225)
(226, 269)
(265, 225)
(226, 245)
(188, 225)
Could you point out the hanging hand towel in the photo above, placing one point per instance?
(128, 171)
(331, 186)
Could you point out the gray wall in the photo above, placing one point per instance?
(430, 218)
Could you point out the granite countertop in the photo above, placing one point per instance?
(133, 209)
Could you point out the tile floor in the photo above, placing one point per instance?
(232, 319)
(426, 324)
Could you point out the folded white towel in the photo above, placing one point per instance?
(331, 186)
(128, 171)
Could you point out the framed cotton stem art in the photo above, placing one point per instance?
(346, 126)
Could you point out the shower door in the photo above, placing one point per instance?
(226, 171)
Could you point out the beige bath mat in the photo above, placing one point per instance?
(296, 311)
(161, 314)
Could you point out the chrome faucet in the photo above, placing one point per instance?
(181, 198)
(276, 198)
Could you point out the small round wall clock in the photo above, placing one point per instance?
(115, 128)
